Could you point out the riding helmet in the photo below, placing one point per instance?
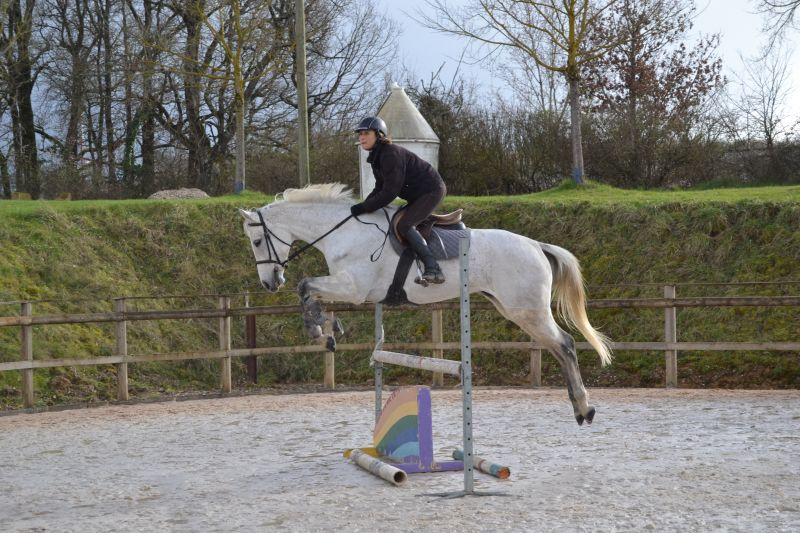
(373, 123)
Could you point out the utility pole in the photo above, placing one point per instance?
(302, 94)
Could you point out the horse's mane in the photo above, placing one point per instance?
(318, 192)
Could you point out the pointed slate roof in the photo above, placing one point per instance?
(404, 120)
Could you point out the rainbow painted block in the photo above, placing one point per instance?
(403, 435)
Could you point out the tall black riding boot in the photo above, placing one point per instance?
(432, 274)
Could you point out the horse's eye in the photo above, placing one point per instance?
(257, 243)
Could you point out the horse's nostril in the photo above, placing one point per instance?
(265, 284)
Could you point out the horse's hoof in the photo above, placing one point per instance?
(330, 344)
(590, 415)
(338, 328)
(436, 277)
(580, 419)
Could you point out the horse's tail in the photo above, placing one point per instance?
(570, 297)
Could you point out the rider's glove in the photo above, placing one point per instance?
(357, 209)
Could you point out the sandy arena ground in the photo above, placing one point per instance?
(660, 460)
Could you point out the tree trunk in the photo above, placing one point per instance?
(75, 116)
(239, 186)
(21, 87)
(5, 177)
(575, 120)
(28, 162)
(198, 165)
(303, 164)
(147, 116)
(108, 91)
(148, 183)
(128, 175)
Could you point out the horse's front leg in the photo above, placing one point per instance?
(312, 291)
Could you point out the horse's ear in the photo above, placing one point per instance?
(247, 215)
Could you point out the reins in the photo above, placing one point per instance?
(271, 247)
(379, 249)
(268, 235)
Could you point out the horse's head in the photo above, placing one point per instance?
(270, 249)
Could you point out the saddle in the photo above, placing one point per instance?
(447, 221)
(442, 233)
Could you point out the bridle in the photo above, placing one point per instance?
(268, 235)
(273, 257)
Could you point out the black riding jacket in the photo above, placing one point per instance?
(399, 172)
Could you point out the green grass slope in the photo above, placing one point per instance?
(77, 256)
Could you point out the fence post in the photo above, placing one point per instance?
(670, 335)
(121, 331)
(437, 335)
(329, 380)
(26, 338)
(225, 344)
(536, 367)
(250, 338)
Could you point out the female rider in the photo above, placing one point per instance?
(401, 173)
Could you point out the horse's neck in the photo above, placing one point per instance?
(308, 222)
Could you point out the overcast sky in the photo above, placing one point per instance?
(424, 51)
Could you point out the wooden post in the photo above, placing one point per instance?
(121, 350)
(250, 339)
(670, 335)
(225, 344)
(437, 335)
(251, 360)
(26, 337)
(536, 367)
(330, 376)
(303, 165)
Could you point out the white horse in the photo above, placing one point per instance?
(515, 273)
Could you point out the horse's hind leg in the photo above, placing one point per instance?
(565, 353)
(539, 324)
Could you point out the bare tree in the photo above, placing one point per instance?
(251, 54)
(20, 60)
(350, 46)
(219, 58)
(150, 23)
(758, 113)
(535, 87)
(67, 27)
(779, 17)
(522, 25)
(130, 91)
(107, 53)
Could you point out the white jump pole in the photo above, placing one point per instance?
(379, 468)
(415, 361)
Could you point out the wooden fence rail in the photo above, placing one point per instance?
(224, 313)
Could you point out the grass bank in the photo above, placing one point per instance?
(77, 256)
